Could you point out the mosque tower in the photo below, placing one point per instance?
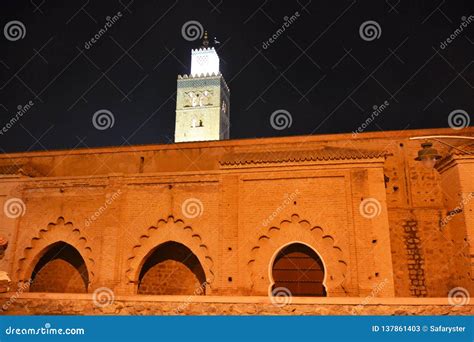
(202, 99)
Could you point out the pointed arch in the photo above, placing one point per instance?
(60, 231)
(62, 269)
(171, 269)
(168, 230)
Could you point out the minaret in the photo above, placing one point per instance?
(202, 99)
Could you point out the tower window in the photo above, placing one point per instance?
(196, 123)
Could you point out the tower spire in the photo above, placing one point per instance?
(205, 40)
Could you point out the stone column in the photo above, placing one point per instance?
(372, 232)
(229, 278)
(109, 223)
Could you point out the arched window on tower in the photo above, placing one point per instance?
(298, 268)
(60, 269)
(196, 123)
(172, 269)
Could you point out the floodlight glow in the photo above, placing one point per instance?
(204, 61)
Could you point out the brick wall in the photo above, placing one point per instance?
(415, 259)
(61, 269)
(171, 269)
(239, 207)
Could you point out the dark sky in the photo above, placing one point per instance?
(320, 69)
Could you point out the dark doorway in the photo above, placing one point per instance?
(60, 269)
(172, 269)
(299, 269)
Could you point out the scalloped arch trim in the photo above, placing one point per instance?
(59, 231)
(166, 230)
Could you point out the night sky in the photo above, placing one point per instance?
(321, 69)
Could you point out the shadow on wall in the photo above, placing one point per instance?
(61, 269)
(171, 269)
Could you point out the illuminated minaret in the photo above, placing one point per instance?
(202, 99)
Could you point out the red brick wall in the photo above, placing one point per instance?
(427, 258)
(61, 269)
(171, 269)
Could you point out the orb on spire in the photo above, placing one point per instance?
(205, 40)
(204, 60)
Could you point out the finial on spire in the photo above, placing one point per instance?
(205, 40)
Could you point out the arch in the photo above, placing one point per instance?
(60, 231)
(168, 230)
(300, 269)
(60, 268)
(297, 230)
(171, 269)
